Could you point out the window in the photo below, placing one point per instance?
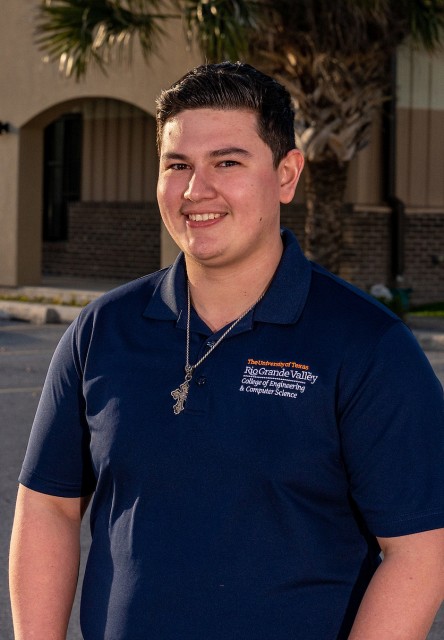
(62, 173)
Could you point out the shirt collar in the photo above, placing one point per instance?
(282, 304)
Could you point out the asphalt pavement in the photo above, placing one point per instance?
(25, 353)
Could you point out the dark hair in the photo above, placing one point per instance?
(233, 85)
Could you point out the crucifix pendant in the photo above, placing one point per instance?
(181, 393)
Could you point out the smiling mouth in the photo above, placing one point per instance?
(203, 217)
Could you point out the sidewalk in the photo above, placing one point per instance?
(59, 300)
(56, 300)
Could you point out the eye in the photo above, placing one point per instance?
(228, 163)
(178, 166)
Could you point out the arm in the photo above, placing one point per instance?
(406, 591)
(44, 563)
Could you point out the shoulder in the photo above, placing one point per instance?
(324, 302)
(355, 333)
(120, 309)
(344, 296)
(132, 296)
(125, 303)
(347, 310)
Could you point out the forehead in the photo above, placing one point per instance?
(201, 126)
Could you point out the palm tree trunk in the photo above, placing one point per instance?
(325, 184)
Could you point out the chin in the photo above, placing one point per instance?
(204, 252)
(206, 258)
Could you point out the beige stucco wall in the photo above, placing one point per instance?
(420, 79)
(29, 88)
(420, 178)
(9, 154)
(29, 85)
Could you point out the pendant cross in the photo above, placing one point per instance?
(180, 395)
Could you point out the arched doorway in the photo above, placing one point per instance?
(87, 185)
(100, 219)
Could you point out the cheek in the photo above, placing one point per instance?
(159, 189)
(168, 194)
(163, 186)
(264, 184)
(262, 194)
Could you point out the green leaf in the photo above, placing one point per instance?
(78, 32)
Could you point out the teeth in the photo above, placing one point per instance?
(203, 217)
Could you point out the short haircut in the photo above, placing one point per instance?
(233, 85)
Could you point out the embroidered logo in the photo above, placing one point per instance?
(284, 379)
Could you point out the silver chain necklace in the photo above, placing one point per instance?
(181, 393)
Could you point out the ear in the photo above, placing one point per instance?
(290, 169)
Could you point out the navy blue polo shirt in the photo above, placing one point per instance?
(315, 426)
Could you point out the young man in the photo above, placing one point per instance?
(254, 430)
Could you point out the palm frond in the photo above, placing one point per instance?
(221, 27)
(426, 22)
(77, 32)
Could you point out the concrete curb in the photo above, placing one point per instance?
(38, 313)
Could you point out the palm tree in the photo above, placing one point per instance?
(333, 56)
(80, 32)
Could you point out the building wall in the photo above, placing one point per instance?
(420, 154)
(365, 182)
(119, 152)
(119, 160)
(367, 242)
(111, 127)
(31, 85)
(114, 240)
(33, 93)
(425, 255)
(122, 241)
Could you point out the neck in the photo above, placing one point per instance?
(220, 296)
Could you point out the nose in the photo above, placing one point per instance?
(199, 187)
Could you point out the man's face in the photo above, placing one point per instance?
(218, 192)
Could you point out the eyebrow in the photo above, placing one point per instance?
(229, 151)
(217, 153)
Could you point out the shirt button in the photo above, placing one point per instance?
(210, 343)
(201, 381)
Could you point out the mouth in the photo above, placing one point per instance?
(204, 217)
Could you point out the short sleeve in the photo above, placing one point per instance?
(57, 460)
(392, 430)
